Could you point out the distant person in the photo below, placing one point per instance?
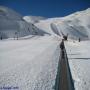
(1, 37)
(62, 48)
(65, 37)
(79, 39)
(62, 45)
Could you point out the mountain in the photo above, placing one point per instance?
(76, 25)
(13, 25)
(33, 19)
(7, 13)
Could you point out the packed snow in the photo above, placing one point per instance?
(29, 64)
(79, 60)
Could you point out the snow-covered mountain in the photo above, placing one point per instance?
(76, 25)
(7, 13)
(13, 25)
(33, 19)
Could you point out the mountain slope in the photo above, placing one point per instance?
(33, 19)
(7, 13)
(12, 25)
(76, 25)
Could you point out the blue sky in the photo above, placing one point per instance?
(46, 8)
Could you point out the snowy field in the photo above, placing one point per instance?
(29, 64)
(79, 60)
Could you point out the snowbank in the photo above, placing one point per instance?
(79, 61)
(29, 64)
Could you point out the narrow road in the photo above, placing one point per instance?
(63, 73)
(64, 79)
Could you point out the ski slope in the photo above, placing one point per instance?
(29, 64)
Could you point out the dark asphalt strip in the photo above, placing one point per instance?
(64, 79)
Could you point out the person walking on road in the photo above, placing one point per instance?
(62, 44)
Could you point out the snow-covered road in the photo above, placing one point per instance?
(79, 61)
(29, 64)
